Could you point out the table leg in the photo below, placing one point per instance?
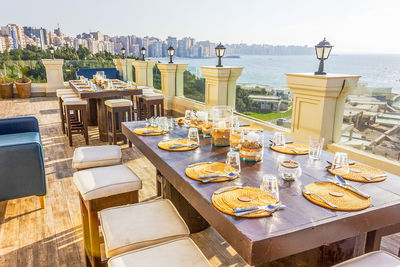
(92, 118)
(102, 120)
(192, 218)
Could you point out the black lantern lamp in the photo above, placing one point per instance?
(143, 51)
(52, 52)
(219, 51)
(123, 52)
(323, 49)
(171, 52)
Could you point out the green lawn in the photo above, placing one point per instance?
(269, 116)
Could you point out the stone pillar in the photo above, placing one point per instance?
(129, 69)
(124, 69)
(221, 85)
(118, 65)
(318, 104)
(144, 72)
(169, 82)
(54, 75)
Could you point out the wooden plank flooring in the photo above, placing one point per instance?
(30, 236)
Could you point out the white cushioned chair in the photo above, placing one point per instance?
(96, 156)
(181, 252)
(106, 181)
(136, 226)
(118, 103)
(373, 259)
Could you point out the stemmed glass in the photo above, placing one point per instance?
(232, 162)
(193, 136)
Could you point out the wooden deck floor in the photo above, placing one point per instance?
(30, 236)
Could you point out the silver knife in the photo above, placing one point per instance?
(228, 189)
(198, 163)
(358, 192)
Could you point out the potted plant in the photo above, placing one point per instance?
(23, 84)
(6, 84)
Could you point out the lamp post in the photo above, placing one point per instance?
(171, 52)
(143, 51)
(219, 51)
(123, 52)
(322, 50)
(52, 52)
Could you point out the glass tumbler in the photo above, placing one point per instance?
(316, 143)
(193, 136)
(289, 170)
(270, 185)
(341, 163)
(162, 123)
(188, 116)
(279, 139)
(232, 162)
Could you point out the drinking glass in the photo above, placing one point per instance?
(235, 121)
(193, 136)
(235, 138)
(153, 122)
(341, 162)
(162, 123)
(270, 185)
(232, 162)
(171, 123)
(279, 139)
(188, 116)
(316, 144)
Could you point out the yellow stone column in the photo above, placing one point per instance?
(318, 104)
(129, 69)
(144, 72)
(54, 75)
(221, 85)
(171, 78)
(118, 65)
(124, 66)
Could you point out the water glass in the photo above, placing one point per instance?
(235, 138)
(235, 121)
(232, 162)
(270, 185)
(162, 123)
(153, 122)
(171, 123)
(188, 116)
(279, 139)
(316, 144)
(341, 162)
(193, 136)
(289, 170)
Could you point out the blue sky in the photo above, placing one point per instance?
(353, 26)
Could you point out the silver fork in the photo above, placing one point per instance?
(318, 196)
(247, 210)
(228, 189)
(198, 163)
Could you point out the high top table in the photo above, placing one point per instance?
(318, 236)
(97, 110)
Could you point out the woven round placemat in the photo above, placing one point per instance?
(140, 131)
(250, 128)
(215, 168)
(359, 171)
(301, 149)
(228, 200)
(350, 201)
(173, 142)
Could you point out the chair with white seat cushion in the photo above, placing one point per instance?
(118, 110)
(375, 258)
(140, 225)
(60, 93)
(96, 156)
(181, 252)
(101, 188)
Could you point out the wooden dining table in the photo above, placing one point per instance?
(302, 233)
(97, 110)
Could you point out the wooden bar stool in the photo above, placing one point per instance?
(77, 123)
(101, 188)
(63, 93)
(376, 258)
(140, 225)
(150, 105)
(118, 110)
(181, 252)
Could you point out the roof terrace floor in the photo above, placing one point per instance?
(30, 236)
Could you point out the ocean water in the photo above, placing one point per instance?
(375, 70)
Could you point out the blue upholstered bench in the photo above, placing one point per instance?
(21, 159)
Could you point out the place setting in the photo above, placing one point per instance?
(354, 171)
(182, 144)
(249, 202)
(279, 144)
(155, 126)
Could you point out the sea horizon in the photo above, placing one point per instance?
(376, 70)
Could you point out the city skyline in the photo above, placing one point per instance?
(351, 26)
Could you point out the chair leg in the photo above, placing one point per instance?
(129, 119)
(62, 116)
(86, 233)
(109, 127)
(69, 126)
(41, 200)
(94, 238)
(113, 122)
(85, 126)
